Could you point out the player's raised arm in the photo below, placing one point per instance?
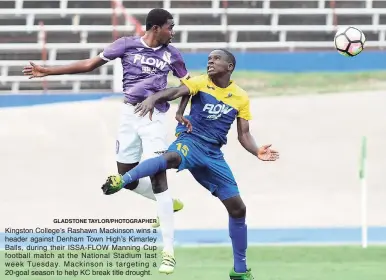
(114, 50)
(165, 95)
(82, 66)
(248, 142)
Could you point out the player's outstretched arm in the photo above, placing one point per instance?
(264, 153)
(82, 66)
(168, 94)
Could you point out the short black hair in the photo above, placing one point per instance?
(157, 17)
(230, 57)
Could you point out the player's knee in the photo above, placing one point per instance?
(173, 159)
(235, 207)
(238, 210)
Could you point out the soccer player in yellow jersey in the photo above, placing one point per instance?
(216, 102)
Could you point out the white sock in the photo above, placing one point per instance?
(166, 218)
(145, 188)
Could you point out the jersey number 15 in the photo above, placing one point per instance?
(183, 148)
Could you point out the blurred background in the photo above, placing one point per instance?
(324, 112)
(313, 104)
(270, 36)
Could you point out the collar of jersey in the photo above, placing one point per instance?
(220, 88)
(154, 49)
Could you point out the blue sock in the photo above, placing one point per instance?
(146, 168)
(238, 235)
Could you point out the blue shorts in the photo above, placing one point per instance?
(206, 163)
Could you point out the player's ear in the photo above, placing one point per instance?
(231, 67)
(155, 28)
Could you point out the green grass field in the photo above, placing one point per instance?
(268, 263)
(266, 84)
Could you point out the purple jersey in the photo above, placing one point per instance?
(145, 69)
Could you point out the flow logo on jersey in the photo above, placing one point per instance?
(150, 61)
(216, 111)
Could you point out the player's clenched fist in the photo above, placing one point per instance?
(35, 71)
(265, 153)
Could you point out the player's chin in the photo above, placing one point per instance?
(211, 72)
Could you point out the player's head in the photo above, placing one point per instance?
(220, 62)
(160, 23)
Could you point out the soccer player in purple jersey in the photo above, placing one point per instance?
(146, 63)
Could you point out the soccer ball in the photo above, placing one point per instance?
(349, 41)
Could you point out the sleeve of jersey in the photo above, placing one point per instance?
(114, 50)
(193, 84)
(179, 68)
(245, 112)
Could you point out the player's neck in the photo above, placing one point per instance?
(150, 41)
(221, 82)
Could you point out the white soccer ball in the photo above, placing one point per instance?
(349, 41)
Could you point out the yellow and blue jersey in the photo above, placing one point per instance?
(214, 109)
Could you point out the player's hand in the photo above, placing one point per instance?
(265, 153)
(146, 106)
(35, 71)
(181, 119)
